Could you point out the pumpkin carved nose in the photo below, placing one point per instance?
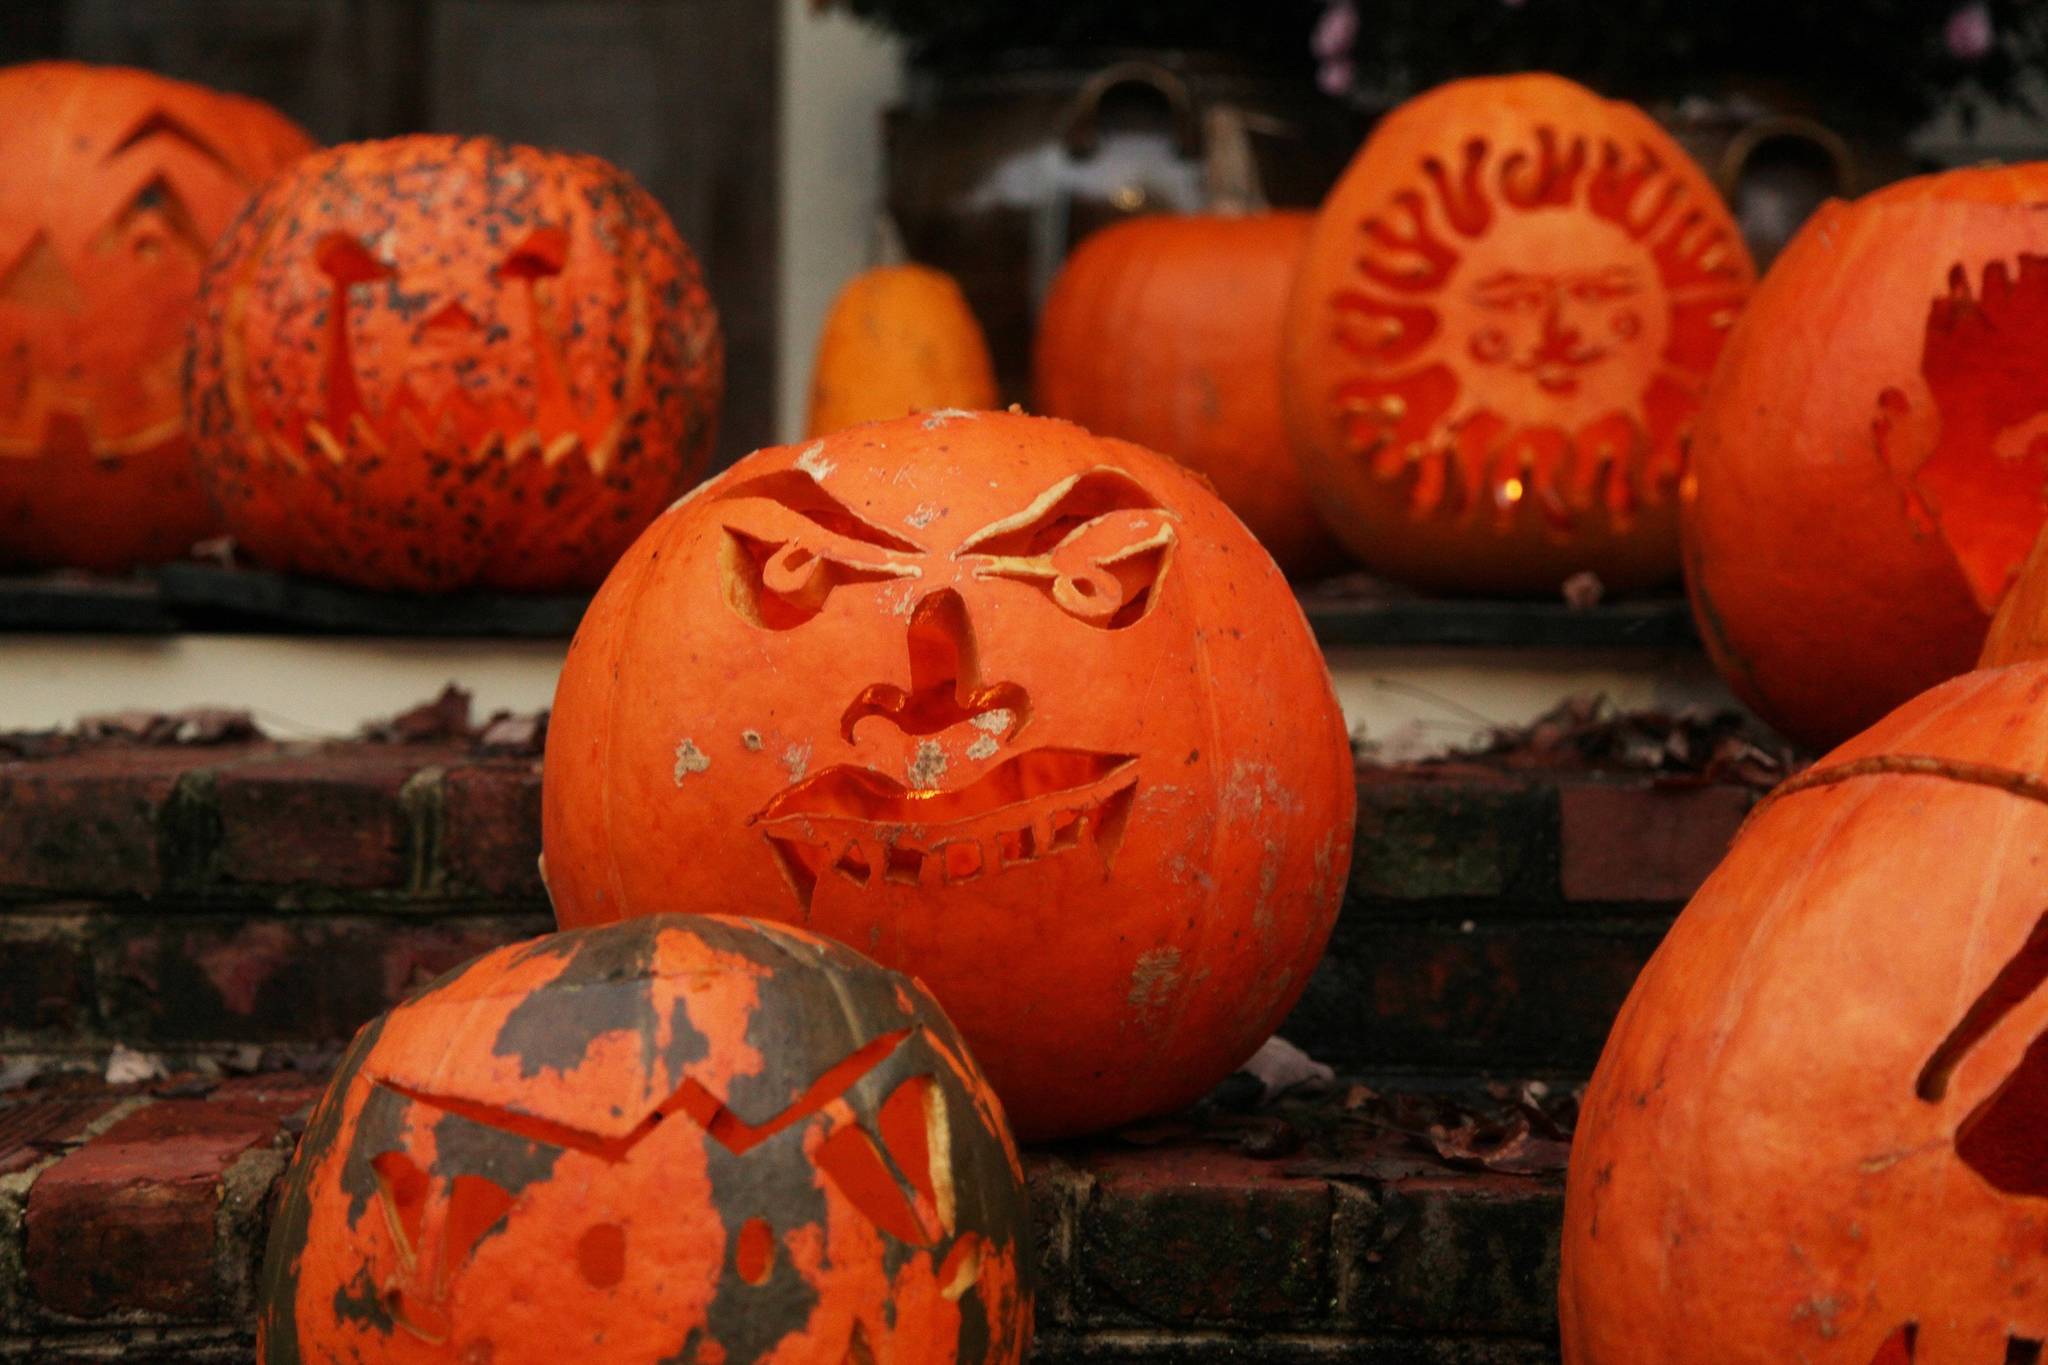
(945, 679)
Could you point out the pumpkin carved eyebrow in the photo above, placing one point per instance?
(1054, 514)
(725, 1127)
(801, 494)
(158, 123)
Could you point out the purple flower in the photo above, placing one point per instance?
(1335, 32)
(1333, 76)
(1968, 32)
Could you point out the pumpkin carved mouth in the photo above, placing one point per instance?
(871, 829)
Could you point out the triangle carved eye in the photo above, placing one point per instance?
(539, 257)
(347, 261)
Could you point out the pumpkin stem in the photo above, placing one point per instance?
(1230, 171)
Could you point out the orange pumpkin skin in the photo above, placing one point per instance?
(899, 339)
(1165, 330)
(1497, 339)
(1019, 710)
(1815, 1133)
(686, 1138)
(432, 363)
(113, 186)
(1865, 476)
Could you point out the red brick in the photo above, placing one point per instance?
(34, 1128)
(292, 978)
(490, 828)
(46, 981)
(1643, 843)
(330, 817)
(1452, 832)
(1187, 1235)
(89, 822)
(126, 1223)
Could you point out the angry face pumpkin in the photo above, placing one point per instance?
(1024, 712)
(113, 186)
(433, 362)
(679, 1139)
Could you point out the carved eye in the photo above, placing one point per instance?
(540, 256)
(1097, 544)
(788, 545)
(347, 261)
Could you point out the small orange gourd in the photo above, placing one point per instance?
(899, 339)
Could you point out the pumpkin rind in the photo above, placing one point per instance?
(1021, 711)
(688, 1137)
(1865, 481)
(432, 363)
(1498, 336)
(114, 184)
(899, 339)
(1165, 331)
(1814, 1134)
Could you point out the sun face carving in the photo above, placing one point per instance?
(644, 1143)
(434, 362)
(113, 186)
(995, 701)
(1535, 328)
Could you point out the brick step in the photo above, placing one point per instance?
(132, 1222)
(204, 901)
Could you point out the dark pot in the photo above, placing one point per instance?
(994, 174)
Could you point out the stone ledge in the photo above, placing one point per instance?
(134, 1218)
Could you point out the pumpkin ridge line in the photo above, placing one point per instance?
(2028, 786)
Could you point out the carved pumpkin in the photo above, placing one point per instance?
(899, 339)
(1870, 461)
(1499, 333)
(1019, 710)
(1816, 1132)
(435, 362)
(683, 1138)
(1165, 330)
(113, 186)
(2019, 631)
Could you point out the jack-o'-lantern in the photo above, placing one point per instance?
(1506, 313)
(1817, 1131)
(1871, 460)
(113, 186)
(434, 362)
(688, 1138)
(1165, 330)
(899, 339)
(1019, 710)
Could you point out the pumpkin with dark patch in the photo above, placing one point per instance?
(433, 363)
(1019, 710)
(113, 186)
(683, 1138)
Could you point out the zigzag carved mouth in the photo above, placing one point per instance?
(870, 829)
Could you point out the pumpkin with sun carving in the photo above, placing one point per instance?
(113, 186)
(1499, 334)
(1021, 711)
(1816, 1132)
(435, 362)
(685, 1138)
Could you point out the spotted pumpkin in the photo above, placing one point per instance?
(431, 363)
